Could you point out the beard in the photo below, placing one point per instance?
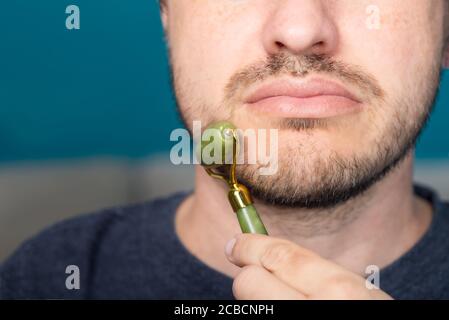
(311, 177)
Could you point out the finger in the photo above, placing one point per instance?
(302, 269)
(256, 283)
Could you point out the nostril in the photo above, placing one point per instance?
(319, 47)
(280, 45)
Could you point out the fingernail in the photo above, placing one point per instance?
(229, 246)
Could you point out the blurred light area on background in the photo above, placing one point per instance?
(100, 90)
(85, 115)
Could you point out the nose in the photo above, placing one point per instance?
(300, 27)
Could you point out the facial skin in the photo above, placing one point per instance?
(222, 51)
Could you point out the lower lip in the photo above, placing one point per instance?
(324, 106)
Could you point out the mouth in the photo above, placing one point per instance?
(312, 99)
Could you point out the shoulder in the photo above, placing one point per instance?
(445, 208)
(40, 266)
(437, 248)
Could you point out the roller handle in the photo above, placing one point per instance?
(250, 221)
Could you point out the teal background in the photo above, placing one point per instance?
(103, 89)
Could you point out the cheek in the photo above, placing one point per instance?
(403, 55)
(405, 52)
(209, 43)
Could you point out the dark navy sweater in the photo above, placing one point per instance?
(133, 252)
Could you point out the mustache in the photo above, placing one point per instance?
(300, 67)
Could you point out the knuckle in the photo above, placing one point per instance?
(244, 280)
(341, 287)
(279, 255)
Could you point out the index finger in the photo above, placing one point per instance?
(292, 264)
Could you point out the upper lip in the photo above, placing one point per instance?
(301, 89)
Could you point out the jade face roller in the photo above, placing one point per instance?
(238, 196)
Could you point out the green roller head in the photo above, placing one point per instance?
(216, 146)
(216, 149)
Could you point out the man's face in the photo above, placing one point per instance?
(349, 84)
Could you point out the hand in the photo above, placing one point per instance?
(279, 269)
